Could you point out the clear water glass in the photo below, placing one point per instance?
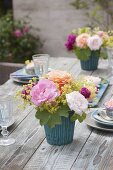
(41, 63)
(110, 61)
(6, 117)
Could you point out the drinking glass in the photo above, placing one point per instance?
(110, 61)
(6, 117)
(41, 62)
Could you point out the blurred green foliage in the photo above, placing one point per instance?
(99, 12)
(2, 11)
(79, 4)
(17, 43)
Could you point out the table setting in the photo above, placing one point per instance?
(29, 134)
(92, 87)
(67, 114)
(34, 68)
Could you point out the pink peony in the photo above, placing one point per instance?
(17, 33)
(44, 91)
(94, 42)
(81, 40)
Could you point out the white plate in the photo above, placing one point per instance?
(92, 123)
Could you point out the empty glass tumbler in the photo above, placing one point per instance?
(41, 63)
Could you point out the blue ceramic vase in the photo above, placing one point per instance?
(61, 134)
(90, 64)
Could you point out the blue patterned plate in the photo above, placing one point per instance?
(102, 88)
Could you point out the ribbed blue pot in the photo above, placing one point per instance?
(61, 134)
(90, 64)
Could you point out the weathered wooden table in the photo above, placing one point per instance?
(91, 149)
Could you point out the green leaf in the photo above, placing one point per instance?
(84, 116)
(75, 116)
(55, 119)
(52, 119)
(103, 54)
(82, 54)
(43, 116)
(63, 111)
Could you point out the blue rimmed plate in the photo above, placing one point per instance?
(96, 115)
(22, 75)
(90, 121)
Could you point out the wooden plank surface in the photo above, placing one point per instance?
(27, 125)
(97, 144)
(64, 155)
(89, 149)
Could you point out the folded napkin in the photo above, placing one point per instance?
(21, 74)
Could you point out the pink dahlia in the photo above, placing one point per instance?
(70, 42)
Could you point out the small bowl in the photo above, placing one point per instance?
(109, 108)
(109, 112)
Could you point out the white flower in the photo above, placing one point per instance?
(93, 79)
(94, 42)
(77, 102)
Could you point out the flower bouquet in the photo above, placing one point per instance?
(59, 101)
(87, 44)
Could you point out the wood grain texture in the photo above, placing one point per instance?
(24, 130)
(47, 159)
(91, 149)
(96, 147)
(54, 157)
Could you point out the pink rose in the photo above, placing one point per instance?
(25, 30)
(81, 40)
(17, 33)
(44, 91)
(103, 35)
(109, 104)
(94, 42)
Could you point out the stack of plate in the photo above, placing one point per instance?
(101, 117)
(98, 119)
(21, 76)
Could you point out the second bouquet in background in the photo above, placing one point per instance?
(87, 45)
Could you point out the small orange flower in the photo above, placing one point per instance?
(60, 77)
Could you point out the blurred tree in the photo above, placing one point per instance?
(99, 12)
